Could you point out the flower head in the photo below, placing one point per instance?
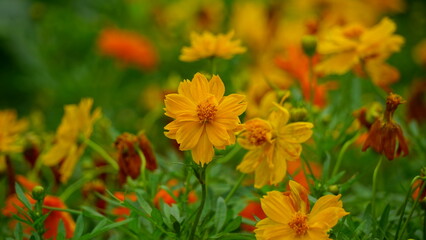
(10, 130)
(203, 117)
(251, 211)
(271, 144)
(385, 132)
(67, 149)
(207, 45)
(288, 215)
(129, 160)
(128, 47)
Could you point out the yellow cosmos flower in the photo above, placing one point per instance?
(10, 130)
(207, 45)
(203, 116)
(77, 123)
(354, 44)
(271, 143)
(288, 215)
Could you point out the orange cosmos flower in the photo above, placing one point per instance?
(385, 132)
(288, 215)
(129, 160)
(128, 47)
(271, 144)
(77, 122)
(207, 45)
(51, 223)
(417, 187)
(203, 117)
(296, 63)
(249, 212)
(163, 195)
(122, 212)
(419, 53)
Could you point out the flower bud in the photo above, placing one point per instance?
(38, 193)
(334, 189)
(309, 45)
(298, 115)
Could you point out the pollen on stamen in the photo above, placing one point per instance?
(299, 224)
(206, 111)
(257, 133)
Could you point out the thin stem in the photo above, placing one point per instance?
(404, 206)
(342, 153)
(143, 167)
(234, 189)
(230, 154)
(412, 209)
(202, 180)
(63, 210)
(101, 152)
(373, 199)
(309, 168)
(424, 223)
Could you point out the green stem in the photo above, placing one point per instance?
(373, 199)
(234, 189)
(342, 153)
(202, 180)
(63, 210)
(412, 209)
(230, 154)
(311, 83)
(424, 224)
(213, 65)
(101, 152)
(404, 206)
(309, 168)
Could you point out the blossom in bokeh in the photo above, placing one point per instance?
(271, 144)
(252, 211)
(122, 212)
(416, 109)
(419, 53)
(164, 195)
(203, 117)
(385, 132)
(207, 45)
(51, 223)
(288, 215)
(129, 160)
(10, 131)
(128, 47)
(76, 123)
(417, 188)
(345, 47)
(296, 170)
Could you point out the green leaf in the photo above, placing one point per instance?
(156, 216)
(220, 217)
(79, 227)
(233, 225)
(18, 231)
(61, 231)
(384, 222)
(89, 212)
(144, 204)
(21, 196)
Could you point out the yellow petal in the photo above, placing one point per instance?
(189, 134)
(172, 127)
(217, 134)
(326, 212)
(339, 63)
(199, 87)
(280, 168)
(262, 175)
(203, 152)
(217, 88)
(277, 207)
(56, 153)
(268, 229)
(298, 132)
(231, 106)
(178, 104)
(185, 89)
(299, 196)
(251, 161)
(292, 150)
(279, 117)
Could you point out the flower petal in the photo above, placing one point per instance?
(251, 161)
(217, 134)
(267, 229)
(326, 212)
(199, 87)
(298, 132)
(231, 106)
(203, 152)
(178, 104)
(217, 88)
(189, 134)
(277, 207)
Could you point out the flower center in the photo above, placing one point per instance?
(299, 223)
(206, 111)
(257, 133)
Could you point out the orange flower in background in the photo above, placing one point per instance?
(122, 212)
(163, 195)
(10, 131)
(295, 169)
(296, 63)
(129, 160)
(128, 47)
(416, 109)
(419, 53)
(207, 45)
(385, 132)
(249, 212)
(288, 215)
(203, 117)
(77, 122)
(271, 144)
(51, 223)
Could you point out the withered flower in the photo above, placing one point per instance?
(385, 132)
(129, 160)
(419, 189)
